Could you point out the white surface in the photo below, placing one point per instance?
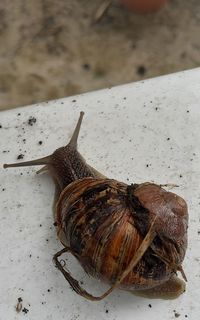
(124, 129)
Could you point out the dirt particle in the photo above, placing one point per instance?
(40, 142)
(141, 70)
(25, 310)
(31, 121)
(168, 139)
(55, 224)
(19, 114)
(176, 314)
(20, 156)
(0, 126)
(107, 310)
(149, 305)
(3, 189)
(74, 100)
(86, 66)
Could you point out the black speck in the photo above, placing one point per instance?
(74, 100)
(25, 310)
(168, 139)
(0, 126)
(19, 114)
(3, 189)
(149, 305)
(21, 174)
(156, 108)
(40, 225)
(107, 311)
(31, 121)
(147, 165)
(186, 315)
(124, 98)
(86, 66)
(20, 156)
(30, 255)
(49, 290)
(180, 176)
(55, 224)
(176, 314)
(198, 232)
(188, 111)
(24, 140)
(47, 240)
(20, 299)
(40, 142)
(141, 70)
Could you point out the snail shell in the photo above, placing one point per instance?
(130, 236)
(104, 222)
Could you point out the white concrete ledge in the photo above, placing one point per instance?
(137, 132)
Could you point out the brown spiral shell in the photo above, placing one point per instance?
(104, 222)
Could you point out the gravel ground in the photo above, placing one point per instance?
(50, 49)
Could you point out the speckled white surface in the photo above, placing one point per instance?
(137, 132)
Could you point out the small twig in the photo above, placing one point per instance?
(169, 185)
(102, 9)
(18, 307)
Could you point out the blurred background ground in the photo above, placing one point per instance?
(49, 49)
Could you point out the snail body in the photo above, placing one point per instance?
(133, 237)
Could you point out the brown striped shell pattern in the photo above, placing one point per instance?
(133, 237)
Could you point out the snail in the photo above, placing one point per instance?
(133, 237)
